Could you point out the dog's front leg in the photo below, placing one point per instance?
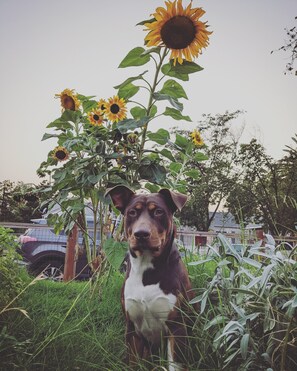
(135, 345)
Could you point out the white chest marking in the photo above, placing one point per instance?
(148, 307)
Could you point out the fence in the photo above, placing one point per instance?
(188, 239)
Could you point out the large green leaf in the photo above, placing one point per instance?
(60, 124)
(88, 105)
(167, 70)
(200, 157)
(129, 80)
(175, 167)
(71, 116)
(186, 67)
(48, 136)
(181, 141)
(168, 154)
(176, 114)
(173, 101)
(174, 89)
(138, 112)
(153, 172)
(115, 252)
(131, 124)
(128, 91)
(160, 137)
(135, 58)
(193, 173)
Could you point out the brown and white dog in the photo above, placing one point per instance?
(157, 287)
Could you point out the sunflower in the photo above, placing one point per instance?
(69, 100)
(196, 138)
(96, 117)
(178, 29)
(115, 109)
(102, 105)
(60, 153)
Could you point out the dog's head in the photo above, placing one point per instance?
(148, 219)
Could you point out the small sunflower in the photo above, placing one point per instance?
(115, 109)
(178, 29)
(102, 105)
(197, 138)
(96, 117)
(60, 153)
(69, 100)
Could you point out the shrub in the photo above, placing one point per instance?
(248, 316)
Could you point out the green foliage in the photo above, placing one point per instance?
(19, 202)
(11, 274)
(248, 309)
(118, 150)
(265, 189)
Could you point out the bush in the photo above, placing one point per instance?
(11, 274)
(248, 316)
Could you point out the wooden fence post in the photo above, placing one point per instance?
(70, 261)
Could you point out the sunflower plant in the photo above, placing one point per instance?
(108, 141)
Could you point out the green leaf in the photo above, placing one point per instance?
(129, 80)
(244, 343)
(156, 50)
(71, 116)
(153, 172)
(47, 136)
(115, 252)
(135, 58)
(181, 141)
(168, 71)
(173, 101)
(174, 89)
(168, 154)
(138, 112)
(153, 188)
(60, 124)
(186, 67)
(176, 114)
(128, 91)
(96, 178)
(142, 23)
(153, 111)
(160, 137)
(88, 105)
(131, 124)
(200, 157)
(175, 167)
(193, 173)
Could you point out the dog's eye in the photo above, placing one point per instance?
(132, 213)
(158, 212)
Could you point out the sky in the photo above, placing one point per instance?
(50, 45)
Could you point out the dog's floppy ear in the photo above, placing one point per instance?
(175, 200)
(120, 196)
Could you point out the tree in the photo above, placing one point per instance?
(290, 47)
(266, 189)
(217, 173)
(19, 202)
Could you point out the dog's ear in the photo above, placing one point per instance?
(120, 196)
(174, 200)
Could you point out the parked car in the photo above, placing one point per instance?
(44, 251)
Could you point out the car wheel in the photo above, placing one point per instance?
(51, 270)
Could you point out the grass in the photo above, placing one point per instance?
(68, 327)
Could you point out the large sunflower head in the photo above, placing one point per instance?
(60, 153)
(69, 100)
(197, 138)
(96, 117)
(115, 109)
(178, 29)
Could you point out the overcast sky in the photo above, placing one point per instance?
(50, 45)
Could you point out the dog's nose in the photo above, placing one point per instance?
(142, 234)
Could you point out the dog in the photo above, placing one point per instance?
(157, 288)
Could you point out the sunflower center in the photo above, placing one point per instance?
(60, 155)
(68, 103)
(96, 117)
(114, 108)
(178, 32)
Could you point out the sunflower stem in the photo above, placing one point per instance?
(150, 103)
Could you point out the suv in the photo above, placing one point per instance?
(44, 251)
